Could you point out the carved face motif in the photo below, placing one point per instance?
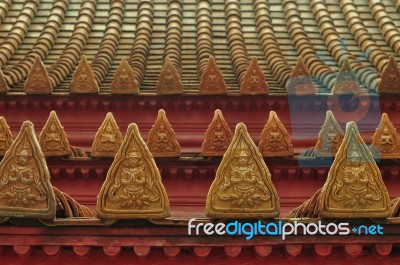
(385, 130)
(22, 159)
(53, 128)
(133, 161)
(243, 161)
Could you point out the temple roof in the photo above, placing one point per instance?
(277, 33)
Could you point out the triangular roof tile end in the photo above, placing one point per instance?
(212, 81)
(256, 197)
(133, 188)
(300, 81)
(83, 80)
(254, 80)
(38, 81)
(354, 187)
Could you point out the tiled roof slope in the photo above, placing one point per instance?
(323, 32)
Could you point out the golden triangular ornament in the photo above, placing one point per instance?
(275, 140)
(25, 188)
(212, 82)
(108, 138)
(162, 140)
(133, 188)
(53, 139)
(83, 80)
(38, 81)
(242, 187)
(6, 137)
(354, 187)
(169, 81)
(218, 136)
(124, 81)
(254, 80)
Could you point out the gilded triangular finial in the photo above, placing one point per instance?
(25, 188)
(52, 138)
(162, 141)
(275, 140)
(124, 80)
(3, 83)
(218, 136)
(329, 138)
(169, 81)
(6, 137)
(108, 138)
(354, 187)
(346, 80)
(212, 82)
(133, 187)
(386, 141)
(83, 80)
(254, 81)
(300, 81)
(38, 81)
(242, 187)
(390, 78)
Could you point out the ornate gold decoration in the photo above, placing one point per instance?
(354, 187)
(329, 138)
(3, 84)
(242, 187)
(275, 140)
(25, 188)
(386, 141)
(218, 136)
(38, 81)
(169, 81)
(254, 81)
(53, 138)
(83, 80)
(6, 137)
(124, 80)
(133, 187)
(212, 82)
(390, 78)
(108, 138)
(300, 81)
(162, 141)
(346, 80)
